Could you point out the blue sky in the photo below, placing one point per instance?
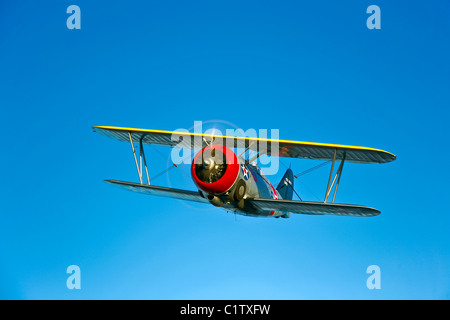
(312, 70)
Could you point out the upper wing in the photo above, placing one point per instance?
(286, 148)
(160, 191)
(315, 208)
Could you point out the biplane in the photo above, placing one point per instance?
(228, 180)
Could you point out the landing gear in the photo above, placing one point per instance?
(240, 190)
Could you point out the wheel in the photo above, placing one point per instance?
(240, 190)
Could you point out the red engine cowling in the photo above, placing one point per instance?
(215, 169)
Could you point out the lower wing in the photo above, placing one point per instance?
(160, 191)
(303, 207)
(314, 208)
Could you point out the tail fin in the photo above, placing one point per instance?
(286, 186)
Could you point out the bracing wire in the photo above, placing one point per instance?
(164, 171)
(312, 169)
(305, 172)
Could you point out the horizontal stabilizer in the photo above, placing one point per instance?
(160, 191)
(314, 208)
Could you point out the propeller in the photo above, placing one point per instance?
(213, 166)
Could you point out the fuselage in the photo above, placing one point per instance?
(226, 180)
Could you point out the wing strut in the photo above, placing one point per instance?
(336, 176)
(329, 179)
(141, 159)
(260, 153)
